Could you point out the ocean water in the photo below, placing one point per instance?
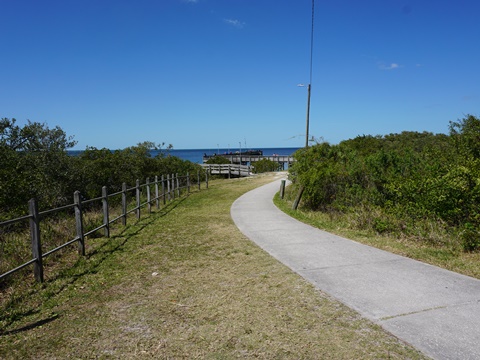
(196, 155)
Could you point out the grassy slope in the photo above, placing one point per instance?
(185, 283)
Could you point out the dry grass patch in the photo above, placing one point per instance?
(187, 284)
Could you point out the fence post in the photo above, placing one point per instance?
(229, 170)
(178, 186)
(163, 190)
(79, 222)
(188, 183)
(148, 196)
(106, 217)
(198, 179)
(206, 178)
(157, 200)
(168, 187)
(172, 179)
(124, 204)
(298, 198)
(282, 189)
(137, 192)
(35, 238)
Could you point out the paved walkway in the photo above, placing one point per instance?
(435, 310)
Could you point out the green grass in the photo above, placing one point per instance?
(184, 283)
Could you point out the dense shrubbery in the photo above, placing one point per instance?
(218, 160)
(265, 165)
(35, 163)
(400, 179)
(102, 167)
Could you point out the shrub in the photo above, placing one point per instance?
(470, 238)
(408, 176)
(265, 165)
(218, 160)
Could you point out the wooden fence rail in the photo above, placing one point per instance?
(235, 170)
(163, 191)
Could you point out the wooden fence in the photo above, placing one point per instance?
(235, 170)
(159, 191)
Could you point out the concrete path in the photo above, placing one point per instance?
(435, 310)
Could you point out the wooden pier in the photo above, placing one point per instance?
(284, 161)
(232, 170)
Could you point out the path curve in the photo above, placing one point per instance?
(435, 310)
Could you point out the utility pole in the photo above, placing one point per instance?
(300, 191)
(308, 115)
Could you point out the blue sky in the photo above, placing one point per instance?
(197, 73)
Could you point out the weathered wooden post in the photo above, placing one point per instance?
(124, 204)
(206, 178)
(168, 187)
(149, 205)
(137, 192)
(157, 200)
(79, 222)
(178, 186)
(298, 198)
(35, 238)
(198, 179)
(229, 170)
(172, 179)
(282, 189)
(163, 190)
(106, 217)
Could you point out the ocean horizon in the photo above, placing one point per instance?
(196, 155)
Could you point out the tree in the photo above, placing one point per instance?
(34, 136)
(35, 163)
(466, 135)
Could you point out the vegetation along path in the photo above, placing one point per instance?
(436, 310)
(186, 283)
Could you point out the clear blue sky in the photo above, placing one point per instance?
(197, 73)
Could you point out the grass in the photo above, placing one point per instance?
(185, 283)
(433, 246)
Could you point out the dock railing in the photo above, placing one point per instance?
(284, 161)
(234, 170)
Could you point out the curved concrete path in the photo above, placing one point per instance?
(435, 310)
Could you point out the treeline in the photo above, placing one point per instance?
(35, 163)
(399, 183)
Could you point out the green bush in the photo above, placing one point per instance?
(410, 176)
(265, 165)
(35, 163)
(218, 160)
(470, 237)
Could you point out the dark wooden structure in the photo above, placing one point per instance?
(284, 161)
